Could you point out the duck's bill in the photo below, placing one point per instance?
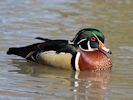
(103, 48)
(106, 50)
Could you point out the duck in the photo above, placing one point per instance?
(86, 51)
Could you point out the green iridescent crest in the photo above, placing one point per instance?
(97, 33)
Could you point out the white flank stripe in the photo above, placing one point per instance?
(76, 61)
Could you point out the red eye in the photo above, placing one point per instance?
(93, 39)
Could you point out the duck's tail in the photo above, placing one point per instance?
(12, 51)
(18, 51)
(23, 51)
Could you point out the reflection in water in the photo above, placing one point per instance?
(85, 85)
(90, 85)
(34, 69)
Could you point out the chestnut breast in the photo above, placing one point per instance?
(94, 60)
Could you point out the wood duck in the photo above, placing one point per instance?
(86, 51)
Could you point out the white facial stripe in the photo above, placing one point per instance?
(81, 40)
(76, 62)
(88, 44)
(89, 48)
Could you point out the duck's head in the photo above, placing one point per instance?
(90, 39)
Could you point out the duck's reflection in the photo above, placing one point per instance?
(90, 85)
(85, 85)
(37, 70)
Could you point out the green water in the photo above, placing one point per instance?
(23, 20)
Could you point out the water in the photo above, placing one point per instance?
(23, 20)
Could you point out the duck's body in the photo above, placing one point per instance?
(57, 53)
(77, 55)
